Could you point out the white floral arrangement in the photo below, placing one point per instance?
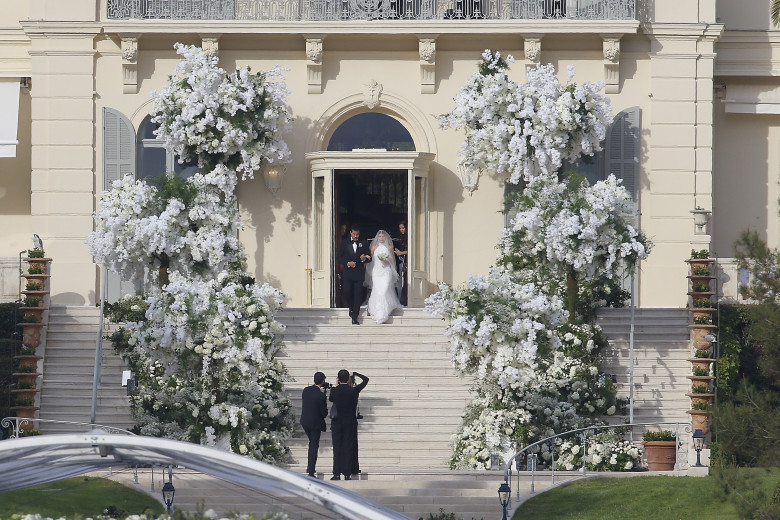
(234, 119)
(203, 342)
(383, 257)
(604, 451)
(525, 331)
(526, 129)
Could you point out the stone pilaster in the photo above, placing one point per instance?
(63, 152)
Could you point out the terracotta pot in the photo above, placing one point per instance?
(703, 363)
(27, 412)
(660, 455)
(699, 332)
(26, 360)
(25, 392)
(700, 262)
(700, 420)
(697, 312)
(38, 261)
(701, 398)
(31, 334)
(34, 311)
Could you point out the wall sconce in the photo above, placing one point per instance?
(273, 174)
(469, 176)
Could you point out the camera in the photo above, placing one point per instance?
(326, 385)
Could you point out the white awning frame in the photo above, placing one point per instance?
(40, 459)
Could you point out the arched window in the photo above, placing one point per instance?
(371, 130)
(153, 159)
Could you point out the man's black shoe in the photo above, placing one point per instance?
(347, 477)
(355, 321)
(335, 477)
(312, 475)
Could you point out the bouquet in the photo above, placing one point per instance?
(383, 256)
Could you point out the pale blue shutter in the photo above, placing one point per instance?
(622, 149)
(118, 147)
(118, 161)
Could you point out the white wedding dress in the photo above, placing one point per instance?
(383, 300)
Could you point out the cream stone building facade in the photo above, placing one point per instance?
(693, 85)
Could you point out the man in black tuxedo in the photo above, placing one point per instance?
(314, 410)
(344, 426)
(353, 255)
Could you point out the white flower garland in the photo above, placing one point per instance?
(529, 129)
(235, 119)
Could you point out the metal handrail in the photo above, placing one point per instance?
(15, 423)
(679, 427)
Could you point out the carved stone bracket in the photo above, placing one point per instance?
(314, 63)
(611, 63)
(427, 64)
(371, 92)
(129, 63)
(210, 44)
(532, 47)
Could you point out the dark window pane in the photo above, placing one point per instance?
(371, 130)
(151, 161)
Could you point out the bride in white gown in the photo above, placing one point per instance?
(381, 277)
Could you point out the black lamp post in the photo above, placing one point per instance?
(167, 492)
(504, 492)
(698, 444)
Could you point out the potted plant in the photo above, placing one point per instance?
(700, 395)
(700, 416)
(37, 257)
(660, 450)
(701, 360)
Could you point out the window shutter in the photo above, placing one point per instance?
(622, 149)
(118, 147)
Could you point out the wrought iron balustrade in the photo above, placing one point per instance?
(332, 10)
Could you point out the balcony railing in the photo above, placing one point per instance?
(333, 10)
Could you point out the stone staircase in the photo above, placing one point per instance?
(68, 372)
(411, 406)
(661, 348)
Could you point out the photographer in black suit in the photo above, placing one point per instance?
(353, 255)
(313, 413)
(344, 425)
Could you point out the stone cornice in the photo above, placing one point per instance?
(412, 27)
(748, 53)
(45, 29)
(13, 36)
(682, 31)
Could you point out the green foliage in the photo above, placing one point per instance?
(701, 354)
(700, 389)
(171, 186)
(30, 318)
(441, 515)
(31, 302)
(748, 427)
(35, 253)
(9, 317)
(701, 287)
(700, 271)
(630, 499)
(698, 371)
(754, 493)
(701, 254)
(29, 433)
(701, 407)
(129, 308)
(78, 498)
(702, 303)
(663, 435)
(23, 401)
(703, 320)
(25, 369)
(36, 269)
(25, 384)
(753, 254)
(33, 286)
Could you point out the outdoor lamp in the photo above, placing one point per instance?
(469, 176)
(504, 491)
(698, 444)
(167, 492)
(273, 174)
(710, 337)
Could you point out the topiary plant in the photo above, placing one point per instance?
(663, 435)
